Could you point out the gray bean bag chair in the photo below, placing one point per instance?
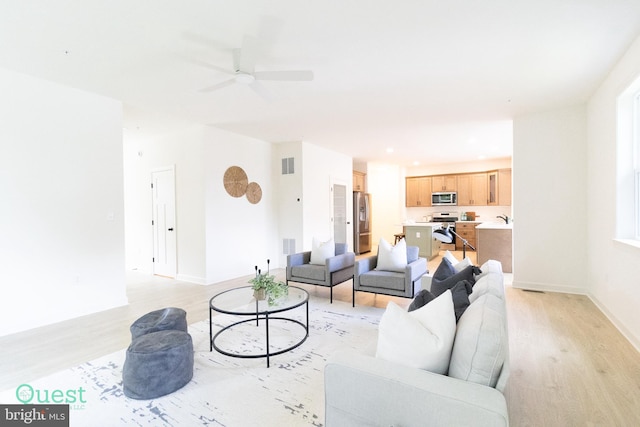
(160, 320)
(157, 363)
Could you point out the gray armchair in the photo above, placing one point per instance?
(337, 269)
(401, 284)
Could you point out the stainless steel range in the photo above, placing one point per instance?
(447, 218)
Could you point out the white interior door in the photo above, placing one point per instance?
(164, 222)
(340, 213)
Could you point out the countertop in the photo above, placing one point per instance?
(495, 226)
(422, 224)
(481, 225)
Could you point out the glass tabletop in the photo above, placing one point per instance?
(240, 301)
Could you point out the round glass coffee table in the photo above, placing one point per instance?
(240, 302)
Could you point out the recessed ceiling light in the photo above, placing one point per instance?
(389, 150)
(482, 157)
(416, 163)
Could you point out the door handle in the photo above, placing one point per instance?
(170, 229)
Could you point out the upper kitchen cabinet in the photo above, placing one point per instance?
(472, 189)
(359, 179)
(499, 187)
(418, 191)
(444, 183)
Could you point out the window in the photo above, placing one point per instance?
(628, 164)
(636, 163)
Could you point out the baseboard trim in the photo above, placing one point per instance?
(635, 341)
(546, 287)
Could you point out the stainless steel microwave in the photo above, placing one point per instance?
(444, 198)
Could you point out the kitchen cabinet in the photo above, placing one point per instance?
(504, 187)
(444, 183)
(472, 189)
(499, 187)
(359, 179)
(418, 191)
(422, 237)
(467, 230)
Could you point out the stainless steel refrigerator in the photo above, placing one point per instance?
(361, 222)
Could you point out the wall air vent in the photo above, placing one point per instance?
(287, 166)
(288, 246)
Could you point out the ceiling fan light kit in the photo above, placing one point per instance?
(244, 78)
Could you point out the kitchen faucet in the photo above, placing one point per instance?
(504, 217)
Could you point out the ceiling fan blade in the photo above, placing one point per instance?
(218, 85)
(262, 91)
(248, 54)
(210, 66)
(290, 76)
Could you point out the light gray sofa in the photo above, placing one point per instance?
(362, 390)
(336, 270)
(401, 284)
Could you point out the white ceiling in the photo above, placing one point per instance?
(437, 81)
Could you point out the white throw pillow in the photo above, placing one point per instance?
(392, 258)
(480, 348)
(320, 251)
(458, 265)
(422, 338)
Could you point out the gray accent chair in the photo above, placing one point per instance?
(336, 270)
(400, 284)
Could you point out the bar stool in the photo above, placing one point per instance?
(398, 237)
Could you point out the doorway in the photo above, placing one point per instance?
(164, 222)
(339, 213)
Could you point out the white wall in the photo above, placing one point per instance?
(184, 150)
(62, 216)
(304, 202)
(239, 234)
(550, 201)
(385, 182)
(612, 270)
(289, 198)
(461, 167)
(219, 237)
(322, 168)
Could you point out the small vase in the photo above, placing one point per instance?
(259, 294)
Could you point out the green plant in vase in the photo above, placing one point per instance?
(265, 286)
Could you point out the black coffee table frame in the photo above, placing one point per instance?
(261, 313)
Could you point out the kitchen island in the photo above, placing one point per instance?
(420, 234)
(495, 242)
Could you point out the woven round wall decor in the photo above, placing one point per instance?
(254, 192)
(235, 181)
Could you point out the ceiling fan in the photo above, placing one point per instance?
(244, 73)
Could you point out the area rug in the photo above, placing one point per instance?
(224, 391)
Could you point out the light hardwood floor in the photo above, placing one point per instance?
(569, 365)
